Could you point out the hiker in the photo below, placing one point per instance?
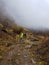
(22, 35)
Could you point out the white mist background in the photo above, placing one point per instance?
(29, 13)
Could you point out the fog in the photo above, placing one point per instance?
(28, 13)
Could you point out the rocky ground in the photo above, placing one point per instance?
(31, 50)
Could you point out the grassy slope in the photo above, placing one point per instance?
(28, 51)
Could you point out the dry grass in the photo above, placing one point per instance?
(26, 51)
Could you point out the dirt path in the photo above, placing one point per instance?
(17, 55)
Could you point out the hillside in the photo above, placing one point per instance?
(32, 49)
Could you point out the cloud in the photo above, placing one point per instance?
(29, 13)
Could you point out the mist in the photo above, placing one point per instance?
(28, 13)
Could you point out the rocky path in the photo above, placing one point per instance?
(17, 55)
(26, 53)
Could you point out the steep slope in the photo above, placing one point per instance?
(32, 49)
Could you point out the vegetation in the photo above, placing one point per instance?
(21, 47)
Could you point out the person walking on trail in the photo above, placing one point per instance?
(21, 35)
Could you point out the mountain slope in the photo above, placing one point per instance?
(32, 49)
